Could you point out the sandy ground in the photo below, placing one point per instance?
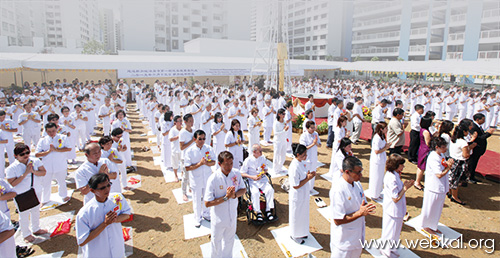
(158, 225)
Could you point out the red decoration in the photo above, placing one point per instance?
(126, 234)
(62, 228)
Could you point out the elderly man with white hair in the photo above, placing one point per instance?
(254, 168)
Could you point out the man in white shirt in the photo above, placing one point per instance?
(29, 121)
(451, 106)
(105, 112)
(254, 168)
(310, 105)
(173, 136)
(357, 119)
(98, 223)
(268, 112)
(92, 166)
(223, 188)
(331, 123)
(7, 130)
(349, 208)
(186, 139)
(415, 133)
(53, 149)
(198, 160)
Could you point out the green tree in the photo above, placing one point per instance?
(400, 59)
(357, 58)
(93, 47)
(375, 58)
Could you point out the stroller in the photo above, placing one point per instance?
(247, 205)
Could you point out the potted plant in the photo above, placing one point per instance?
(297, 123)
(367, 113)
(322, 128)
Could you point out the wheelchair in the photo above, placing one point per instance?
(247, 205)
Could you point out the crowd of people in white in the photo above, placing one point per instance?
(204, 125)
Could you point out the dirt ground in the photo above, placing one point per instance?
(158, 225)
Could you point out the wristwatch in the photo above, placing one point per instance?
(225, 198)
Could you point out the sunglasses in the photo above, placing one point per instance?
(104, 187)
(201, 139)
(24, 153)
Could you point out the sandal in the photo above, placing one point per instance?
(420, 188)
(259, 217)
(455, 201)
(24, 251)
(269, 215)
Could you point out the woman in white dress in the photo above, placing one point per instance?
(378, 158)
(436, 185)
(234, 143)
(299, 195)
(254, 124)
(166, 149)
(123, 123)
(344, 150)
(394, 202)
(445, 132)
(279, 128)
(218, 132)
(339, 132)
(244, 111)
(310, 139)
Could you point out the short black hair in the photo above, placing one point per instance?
(350, 163)
(478, 116)
(116, 131)
(50, 125)
(96, 179)
(20, 148)
(418, 107)
(300, 149)
(104, 140)
(51, 116)
(187, 116)
(397, 111)
(2, 113)
(198, 133)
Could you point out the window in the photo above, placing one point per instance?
(195, 36)
(323, 26)
(322, 47)
(315, 27)
(315, 17)
(315, 37)
(196, 12)
(315, 47)
(308, 39)
(321, 57)
(323, 36)
(217, 29)
(174, 19)
(185, 18)
(217, 17)
(185, 6)
(175, 44)
(175, 32)
(308, 48)
(323, 16)
(204, 18)
(204, 31)
(196, 24)
(308, 29)
(324, 5)
(185, 30)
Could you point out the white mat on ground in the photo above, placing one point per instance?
(157, 160)
(313, 192)
(402, 251)
(379, 201)
(168, 174)
(52, 255)
(190, 231)
(134, 163)
(283, 172)
(155, 150)
(320, 164)
(152, 140)
(150, 133)
(56, 201)
(238, 249)
(448, 233)
(49, 223)
(264, 143)
(327, 176)
(145, 122)
(178, 196)
(326, 212)
(134, 182)
(292, 249)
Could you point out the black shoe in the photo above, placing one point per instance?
(455, 201)
(472, 181)
(449, 195)
(477, 180)
(299, 241)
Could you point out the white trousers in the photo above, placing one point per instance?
(461, 114)
(2, 160)
(31, 137)
(166, 153)
(32, 215)
(450, 115)
(80, 136)
(267, 133)
(357, 132)
(199, 208)
(222, 238)
(122, 169)
(106, 128)
(337, 253)
(268, 192)
(279, 156)
(9, 148)
(185, 178)
(431, 209)
(60, 177)
(176, 158)
(391, 230)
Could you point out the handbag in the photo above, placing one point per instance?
(28, 199)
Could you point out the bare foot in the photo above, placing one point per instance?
(185, 198)
(438, 231)
(429, 231)
(29, 239)
(176, 179)
(127, 188)
(66, 199)
(41, 232)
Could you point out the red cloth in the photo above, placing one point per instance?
(318, 102)
(126, 234)
(129, 219)
(63, 227)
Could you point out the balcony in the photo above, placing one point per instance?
(458, 18)
(374, 36)
(368, 24)
(456, 37)
(489, 37)
(376, 50)
(491, 15)
(417, 50)
(488, 54)
(418, 33)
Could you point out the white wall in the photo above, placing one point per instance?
(138, 25)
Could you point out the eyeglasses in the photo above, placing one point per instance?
(104, 187)
(201, 139)
(24, 153)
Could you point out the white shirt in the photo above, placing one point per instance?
(174, 144)
(357, 109)
(86, 171)
(346, 199)
(198, 177)
(253, 166)
(268, 120)
(4, 135)
(7, 247)
(109, 243)
(5, 187)
(378, 115)
(54, 161)
(185, 136)
(434, 167)
(103, 110)
(16, 169)
(392, 186)
(456, 149)
(217, 185)
(30, 126)
(415, 121)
